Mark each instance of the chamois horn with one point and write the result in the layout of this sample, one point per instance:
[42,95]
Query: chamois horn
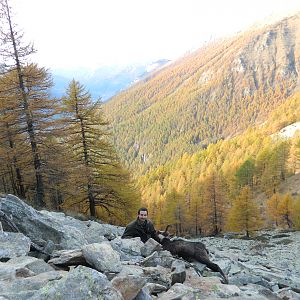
[167,228]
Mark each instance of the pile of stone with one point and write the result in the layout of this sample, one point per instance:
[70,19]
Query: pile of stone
[48,255]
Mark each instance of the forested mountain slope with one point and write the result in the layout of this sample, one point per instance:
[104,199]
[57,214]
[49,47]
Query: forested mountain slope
[250,179]
[211,94]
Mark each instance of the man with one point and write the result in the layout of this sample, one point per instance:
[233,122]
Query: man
[141,227]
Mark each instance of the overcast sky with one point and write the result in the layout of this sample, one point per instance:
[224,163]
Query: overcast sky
[90,33]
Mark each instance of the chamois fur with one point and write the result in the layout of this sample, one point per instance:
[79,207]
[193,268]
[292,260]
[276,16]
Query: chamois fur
[189,251]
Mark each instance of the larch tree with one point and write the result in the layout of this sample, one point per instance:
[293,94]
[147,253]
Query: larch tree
[272,208]
[175,210]
[15,57]
[215,200]
[276,167]
[99,181]
[244,215]
[296,213]
[285,208]
[11,169]
[196,207]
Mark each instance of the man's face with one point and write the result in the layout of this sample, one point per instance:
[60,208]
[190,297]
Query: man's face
[143,215]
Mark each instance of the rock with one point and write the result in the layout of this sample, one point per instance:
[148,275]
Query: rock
[67,258]
[159,275]
[13,245]
[161,258]
[95,232]
[260,268]
[81,283]
[35,265]
[206,284]
[149,247]
[41,227]
[287,293]
[179,291]
[142,295]
[129,286]
[178,274]
[154,288]
[102,257]
[23,287]
[129,249]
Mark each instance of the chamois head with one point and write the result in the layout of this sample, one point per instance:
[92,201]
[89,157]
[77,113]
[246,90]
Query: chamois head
[164,234]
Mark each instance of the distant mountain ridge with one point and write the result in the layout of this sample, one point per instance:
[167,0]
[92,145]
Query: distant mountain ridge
[105,81]
[211,94]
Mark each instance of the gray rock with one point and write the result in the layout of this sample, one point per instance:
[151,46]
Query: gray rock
[161,258]
[13,245]
[67,258]
[22,286]
[129,286]
[178,291]
[142,295]
[40,226]
[37,266]
[102,257]
[95,232]
[80,283]
[178,274]
[159,275]
[130,247]
[131,270]
[149,247]
[154,288]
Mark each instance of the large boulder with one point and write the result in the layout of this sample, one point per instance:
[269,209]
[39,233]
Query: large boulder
[129,286]
[25,288]
[130,249]
[13,245]
[149,247]
[80,283]
[41,226]
[102,257]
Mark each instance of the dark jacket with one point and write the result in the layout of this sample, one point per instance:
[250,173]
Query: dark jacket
[143,230]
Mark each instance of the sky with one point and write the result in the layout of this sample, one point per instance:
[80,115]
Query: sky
[70,34]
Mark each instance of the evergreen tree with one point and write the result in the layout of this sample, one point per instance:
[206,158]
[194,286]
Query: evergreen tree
[245,173]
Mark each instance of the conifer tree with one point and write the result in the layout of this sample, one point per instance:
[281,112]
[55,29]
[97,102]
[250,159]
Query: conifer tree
[272,207]
[215,201]
[9,128]
[244,214]
[245,173]
[175,211]
[14,54]
[285,208]
[96,171]
[296,213]
[197,207]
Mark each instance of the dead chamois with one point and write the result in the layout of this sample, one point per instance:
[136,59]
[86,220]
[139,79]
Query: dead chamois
[189,251]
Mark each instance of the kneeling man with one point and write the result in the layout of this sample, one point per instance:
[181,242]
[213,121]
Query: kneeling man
[141,227]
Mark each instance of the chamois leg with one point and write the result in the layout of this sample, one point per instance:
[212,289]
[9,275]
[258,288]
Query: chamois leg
[214,267]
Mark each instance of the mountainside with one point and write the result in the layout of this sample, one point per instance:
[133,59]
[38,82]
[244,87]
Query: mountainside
[104,82]
[211,94]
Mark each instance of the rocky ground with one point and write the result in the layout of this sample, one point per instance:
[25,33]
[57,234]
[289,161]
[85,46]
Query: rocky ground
[47,255]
